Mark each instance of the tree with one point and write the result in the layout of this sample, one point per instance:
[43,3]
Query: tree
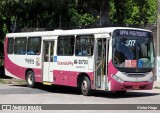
[120,11]
[79,17]
[34,13]
[99,9]
[2,34]
[56,13]
[53,13]
[133,11]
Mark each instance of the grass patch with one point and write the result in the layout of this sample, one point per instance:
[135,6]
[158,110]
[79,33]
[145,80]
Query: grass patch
[12,81]
[156,87]
[2,81]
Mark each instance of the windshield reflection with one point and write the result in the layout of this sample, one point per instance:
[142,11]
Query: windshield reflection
[133,53]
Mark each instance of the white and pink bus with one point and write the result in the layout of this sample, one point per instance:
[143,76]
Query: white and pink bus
[111,59]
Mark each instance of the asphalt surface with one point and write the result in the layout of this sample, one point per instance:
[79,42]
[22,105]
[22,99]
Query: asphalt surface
[21,94]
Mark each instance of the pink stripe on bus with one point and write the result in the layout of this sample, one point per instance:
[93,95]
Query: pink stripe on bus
[111,70]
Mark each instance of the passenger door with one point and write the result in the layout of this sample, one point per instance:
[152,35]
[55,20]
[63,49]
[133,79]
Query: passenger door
[101,62]
[48,55]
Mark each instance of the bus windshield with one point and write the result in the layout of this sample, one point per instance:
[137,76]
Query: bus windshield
[133,52]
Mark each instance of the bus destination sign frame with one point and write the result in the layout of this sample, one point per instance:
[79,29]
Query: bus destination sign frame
[134,33]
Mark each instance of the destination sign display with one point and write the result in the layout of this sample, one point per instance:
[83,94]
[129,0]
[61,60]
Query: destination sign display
[137,33]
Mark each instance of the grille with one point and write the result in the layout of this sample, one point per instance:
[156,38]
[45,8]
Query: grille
[135,74]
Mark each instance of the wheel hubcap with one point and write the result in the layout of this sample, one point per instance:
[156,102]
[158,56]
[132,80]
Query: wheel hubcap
[84,85]
[30,79]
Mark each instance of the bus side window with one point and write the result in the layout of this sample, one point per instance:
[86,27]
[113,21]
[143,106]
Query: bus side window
[20,45]
[52,51]
[84,45]
[10,46]
[30,52]
[34,46]
[65,45]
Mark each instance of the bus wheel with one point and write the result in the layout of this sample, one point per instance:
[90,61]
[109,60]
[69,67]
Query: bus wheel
[86,86]
[30,79]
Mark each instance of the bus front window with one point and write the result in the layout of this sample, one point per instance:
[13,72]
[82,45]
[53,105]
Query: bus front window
[133,53]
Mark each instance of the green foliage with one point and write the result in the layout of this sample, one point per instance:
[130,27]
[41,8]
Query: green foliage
[79,18]
[133,11]
[52,13]
[156,87]
[1,81]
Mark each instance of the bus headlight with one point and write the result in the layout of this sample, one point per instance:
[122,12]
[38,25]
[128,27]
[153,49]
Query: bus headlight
[117,79]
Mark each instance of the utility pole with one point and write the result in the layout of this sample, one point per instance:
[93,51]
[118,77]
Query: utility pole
[158,42]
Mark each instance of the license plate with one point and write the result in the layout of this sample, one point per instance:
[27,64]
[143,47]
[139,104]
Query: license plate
[135,87]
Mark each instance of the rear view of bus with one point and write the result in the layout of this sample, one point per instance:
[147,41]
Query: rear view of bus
[132,60]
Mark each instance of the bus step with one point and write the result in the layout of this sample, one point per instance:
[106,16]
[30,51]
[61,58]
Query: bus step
[47,83]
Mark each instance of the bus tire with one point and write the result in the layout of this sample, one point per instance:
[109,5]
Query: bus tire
[86,86]
[30,79]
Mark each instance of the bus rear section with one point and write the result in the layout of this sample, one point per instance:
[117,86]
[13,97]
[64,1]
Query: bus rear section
[23,57]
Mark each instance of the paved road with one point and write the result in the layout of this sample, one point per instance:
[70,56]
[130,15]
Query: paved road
[21,94]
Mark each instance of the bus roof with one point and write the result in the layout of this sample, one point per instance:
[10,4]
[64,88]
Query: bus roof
[70,32]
